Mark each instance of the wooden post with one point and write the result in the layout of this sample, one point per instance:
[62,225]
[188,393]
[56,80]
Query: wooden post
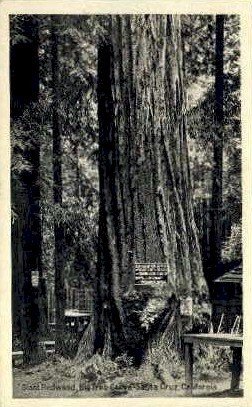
[189,368]
[236,368]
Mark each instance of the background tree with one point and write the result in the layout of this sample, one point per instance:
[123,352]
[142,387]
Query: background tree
[78,131]
[77,117]
[26,230]
[200,80]
[57,193]
[217,182]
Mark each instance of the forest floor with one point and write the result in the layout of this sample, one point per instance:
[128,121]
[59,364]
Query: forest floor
[56,378]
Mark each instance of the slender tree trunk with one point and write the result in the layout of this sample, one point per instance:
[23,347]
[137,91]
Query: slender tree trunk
[216,209]
[58,189]
[146,209]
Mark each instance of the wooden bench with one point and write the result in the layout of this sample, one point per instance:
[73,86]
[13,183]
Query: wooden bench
[48,347]
[233,341]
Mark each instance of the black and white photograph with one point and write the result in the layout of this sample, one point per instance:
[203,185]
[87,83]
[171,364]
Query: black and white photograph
[126,205]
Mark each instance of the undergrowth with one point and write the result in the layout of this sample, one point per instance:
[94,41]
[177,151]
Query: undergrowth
[162,366]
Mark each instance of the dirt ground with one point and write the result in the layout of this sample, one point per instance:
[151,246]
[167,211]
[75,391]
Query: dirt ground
[51,381]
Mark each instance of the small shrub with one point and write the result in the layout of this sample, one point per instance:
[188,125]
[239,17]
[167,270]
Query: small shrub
[152,311]
[99,370]
[211,362]
[165,361]
[135,379]
[124,362]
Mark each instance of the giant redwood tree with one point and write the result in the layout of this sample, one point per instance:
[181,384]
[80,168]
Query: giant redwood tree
[146,212]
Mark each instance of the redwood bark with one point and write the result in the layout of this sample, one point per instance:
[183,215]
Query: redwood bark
[109,335]
[57,192]
[146,209]
[217,174]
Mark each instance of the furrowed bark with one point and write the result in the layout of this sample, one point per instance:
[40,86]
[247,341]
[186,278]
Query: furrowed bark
[57,192]
[217,181]
[146,212]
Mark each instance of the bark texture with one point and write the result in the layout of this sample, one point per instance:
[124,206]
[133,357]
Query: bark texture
[146,212]
[57,193]
[26,229]
[216,209]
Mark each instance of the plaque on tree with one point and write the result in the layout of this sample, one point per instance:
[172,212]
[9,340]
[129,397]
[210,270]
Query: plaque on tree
[35,278]
[149,273]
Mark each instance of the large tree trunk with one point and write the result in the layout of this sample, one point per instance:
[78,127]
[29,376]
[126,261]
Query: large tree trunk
[109,323]
[216,210]
[57,189]
[146,210]
[26,232]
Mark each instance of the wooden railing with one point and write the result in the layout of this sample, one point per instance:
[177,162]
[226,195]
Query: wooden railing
[79,299]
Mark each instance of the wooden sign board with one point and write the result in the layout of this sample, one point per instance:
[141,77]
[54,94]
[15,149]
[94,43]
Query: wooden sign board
[148,273]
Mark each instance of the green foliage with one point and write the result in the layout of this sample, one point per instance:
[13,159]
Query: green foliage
[17,33]
[211,362]
[155,306]
[198,33]
[201,315]
[198,36]
[27,132]
[78,125]
[202,132]
[232,249]
[166,363]
[133,306]
[199,58]
[99,370]
[142,309]
[19,143]
[151,312]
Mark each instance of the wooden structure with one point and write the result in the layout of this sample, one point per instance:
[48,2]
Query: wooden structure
[77,320]
[79,306]
[227,301]
[227,340]
[232,276]
[46,346]
[227,321]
